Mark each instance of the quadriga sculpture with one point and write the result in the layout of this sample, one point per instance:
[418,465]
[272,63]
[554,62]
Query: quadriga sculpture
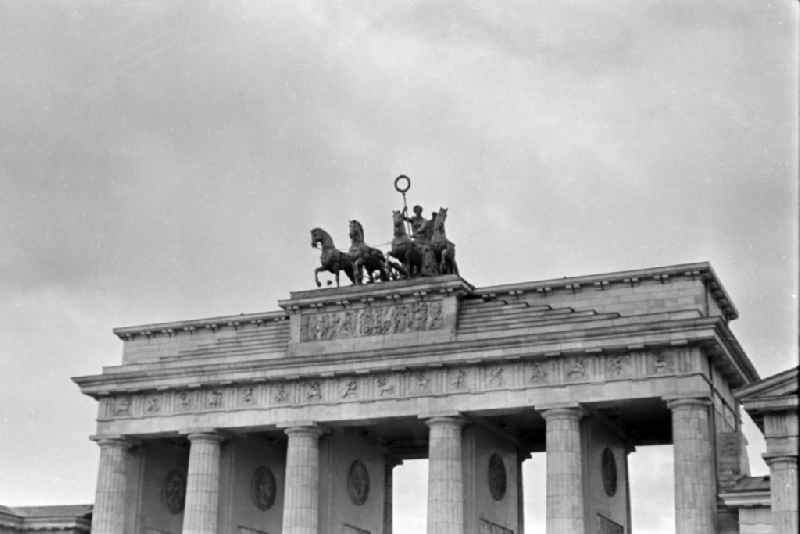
[404,249]
[444,250]
[331,259]
[365,257]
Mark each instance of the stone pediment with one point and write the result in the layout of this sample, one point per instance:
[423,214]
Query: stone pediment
[779,385]
[775,393]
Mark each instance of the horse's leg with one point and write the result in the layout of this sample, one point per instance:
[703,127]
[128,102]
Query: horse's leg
[357,275]
[349,273]
[316,275]
[336,274]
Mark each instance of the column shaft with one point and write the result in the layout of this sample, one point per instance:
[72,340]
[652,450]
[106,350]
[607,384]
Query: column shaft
[200,514]
[445,479]
[564,506]
[783,492]
[387,497]
[695,484]
[108,516]
[301,491]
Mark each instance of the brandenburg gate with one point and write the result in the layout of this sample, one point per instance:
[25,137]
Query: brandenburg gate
[291,421]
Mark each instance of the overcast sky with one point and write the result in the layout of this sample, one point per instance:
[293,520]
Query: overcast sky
[165,160]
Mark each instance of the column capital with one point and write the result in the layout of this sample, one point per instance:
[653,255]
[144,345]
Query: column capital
[565,411]
[204,434]
[776,459]
[306,429]
[452,420]
[683,402]
[112,440]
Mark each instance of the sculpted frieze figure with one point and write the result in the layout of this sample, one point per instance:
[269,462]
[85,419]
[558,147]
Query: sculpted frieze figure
[385,386]
[496,377]
[576,369]
[215,398]
[616,366]
[459,379]
[313,391]
[248,395]
[184,400]
[152,404]
[538,373]
[374,320]
[661,364]
[349,388]
[122,406]
[422,382]
[281,394]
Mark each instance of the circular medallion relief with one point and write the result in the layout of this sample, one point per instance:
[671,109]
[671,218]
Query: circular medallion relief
[263,487]
[609,470]
[174,491]
[497,477]
[358,482]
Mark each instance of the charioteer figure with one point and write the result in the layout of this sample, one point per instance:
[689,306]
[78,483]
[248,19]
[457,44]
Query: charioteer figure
[421,228]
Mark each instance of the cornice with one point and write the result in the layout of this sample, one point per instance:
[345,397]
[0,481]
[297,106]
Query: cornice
[701,270]
[607,340]
[212,323]
[743,499]
[417,287]
[762,388]
[449,284]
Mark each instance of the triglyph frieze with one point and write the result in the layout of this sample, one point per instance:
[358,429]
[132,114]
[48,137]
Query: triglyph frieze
[384,385]
[372,320]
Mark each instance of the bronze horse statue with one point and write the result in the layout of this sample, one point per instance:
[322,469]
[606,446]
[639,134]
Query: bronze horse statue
[365,257]
[331,259]
[404,249]
[443,249]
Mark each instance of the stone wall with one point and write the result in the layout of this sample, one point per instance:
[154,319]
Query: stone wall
[164,465]
[252,487]
[485,505]
[347,505]
[603,507]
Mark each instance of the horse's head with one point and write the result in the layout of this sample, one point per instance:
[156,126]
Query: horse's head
[397,217]
[356,230]
[318,235]
[438,219]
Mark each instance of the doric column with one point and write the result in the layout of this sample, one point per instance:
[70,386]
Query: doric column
[301,490]
[108,516]
[202,484]
[564,471]
[783,492]
[445,479]
[695,485]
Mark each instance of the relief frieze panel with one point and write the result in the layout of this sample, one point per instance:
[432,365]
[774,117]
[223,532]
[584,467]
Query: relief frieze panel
[372,320]
[399,384]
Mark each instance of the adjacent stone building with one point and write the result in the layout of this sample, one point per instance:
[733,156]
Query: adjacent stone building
[70,519]
[770,504]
